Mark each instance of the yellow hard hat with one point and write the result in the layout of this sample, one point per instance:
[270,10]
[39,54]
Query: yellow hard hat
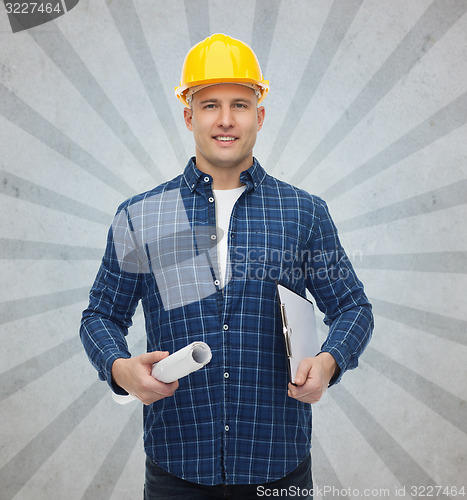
[221,59]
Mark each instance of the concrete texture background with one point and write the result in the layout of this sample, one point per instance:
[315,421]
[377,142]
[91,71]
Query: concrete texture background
[367,109]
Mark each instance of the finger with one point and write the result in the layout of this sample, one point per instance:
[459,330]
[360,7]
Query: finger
[172,387]
[303,369]
[306,391]
[163,389]
[295,393]
[300,391]
[305,398]
[158,390]
[154,357]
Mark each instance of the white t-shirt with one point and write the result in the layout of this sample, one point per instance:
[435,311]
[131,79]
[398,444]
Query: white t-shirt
[225,201]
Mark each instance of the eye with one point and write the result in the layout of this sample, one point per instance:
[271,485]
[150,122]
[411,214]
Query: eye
[239,105]
[209,106]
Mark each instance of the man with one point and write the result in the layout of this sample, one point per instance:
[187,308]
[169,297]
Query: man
[203,252]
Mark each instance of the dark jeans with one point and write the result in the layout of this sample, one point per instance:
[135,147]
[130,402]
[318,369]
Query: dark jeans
[161,485]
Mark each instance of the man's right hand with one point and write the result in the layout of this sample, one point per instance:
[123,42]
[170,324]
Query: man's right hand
[134,375]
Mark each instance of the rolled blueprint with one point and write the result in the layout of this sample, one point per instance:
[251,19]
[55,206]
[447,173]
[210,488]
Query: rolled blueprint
[183,362]
[178,365]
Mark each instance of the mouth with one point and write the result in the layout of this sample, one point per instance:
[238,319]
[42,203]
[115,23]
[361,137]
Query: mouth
[228,139]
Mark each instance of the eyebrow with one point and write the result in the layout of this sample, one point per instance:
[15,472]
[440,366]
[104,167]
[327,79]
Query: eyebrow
[237,99]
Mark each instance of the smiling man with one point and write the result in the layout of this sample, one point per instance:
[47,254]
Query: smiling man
[224,119]
[204,252]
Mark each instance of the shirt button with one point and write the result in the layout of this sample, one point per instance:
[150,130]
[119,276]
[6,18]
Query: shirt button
[213,236]
[225,327]
[192,186]
[226,428]
[211,199]
[226,375]
[217,282]
[206,179]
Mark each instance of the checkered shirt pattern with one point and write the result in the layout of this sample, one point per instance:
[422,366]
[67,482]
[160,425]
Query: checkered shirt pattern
[231,422]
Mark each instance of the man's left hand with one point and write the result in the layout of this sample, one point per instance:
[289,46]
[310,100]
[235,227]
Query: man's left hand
[313,377]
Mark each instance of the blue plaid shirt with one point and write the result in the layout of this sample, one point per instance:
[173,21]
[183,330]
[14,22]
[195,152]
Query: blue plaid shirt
[231,422]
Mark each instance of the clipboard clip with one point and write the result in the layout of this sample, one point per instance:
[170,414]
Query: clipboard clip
[286,330]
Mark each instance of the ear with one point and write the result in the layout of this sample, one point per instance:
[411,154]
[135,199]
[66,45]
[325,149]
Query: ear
[261,112]
[188,115]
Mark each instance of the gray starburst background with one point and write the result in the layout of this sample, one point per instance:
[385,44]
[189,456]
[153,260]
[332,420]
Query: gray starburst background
[367,109]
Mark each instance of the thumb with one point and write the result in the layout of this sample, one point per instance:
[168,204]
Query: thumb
[153,357]
[303,370]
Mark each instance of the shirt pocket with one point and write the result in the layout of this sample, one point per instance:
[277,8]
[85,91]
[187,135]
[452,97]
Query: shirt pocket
[270,253]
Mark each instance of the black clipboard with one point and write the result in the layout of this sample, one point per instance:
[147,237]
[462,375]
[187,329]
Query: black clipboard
[298,328]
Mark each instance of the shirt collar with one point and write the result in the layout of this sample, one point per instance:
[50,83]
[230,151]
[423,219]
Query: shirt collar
[192,174]
[252,177]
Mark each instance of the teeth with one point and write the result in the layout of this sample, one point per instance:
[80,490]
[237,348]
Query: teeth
[219,138]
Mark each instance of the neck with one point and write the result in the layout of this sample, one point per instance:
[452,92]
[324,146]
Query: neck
[223,182]
[224,177]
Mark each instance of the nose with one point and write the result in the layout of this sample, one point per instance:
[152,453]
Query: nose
[225,118]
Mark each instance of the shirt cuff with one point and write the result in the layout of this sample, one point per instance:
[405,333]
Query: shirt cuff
[106,374]
[341,361]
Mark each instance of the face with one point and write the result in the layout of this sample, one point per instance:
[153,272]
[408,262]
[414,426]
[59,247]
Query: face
[224,120]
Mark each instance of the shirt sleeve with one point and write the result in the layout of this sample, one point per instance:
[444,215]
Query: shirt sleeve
[339,294]
[113,299]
